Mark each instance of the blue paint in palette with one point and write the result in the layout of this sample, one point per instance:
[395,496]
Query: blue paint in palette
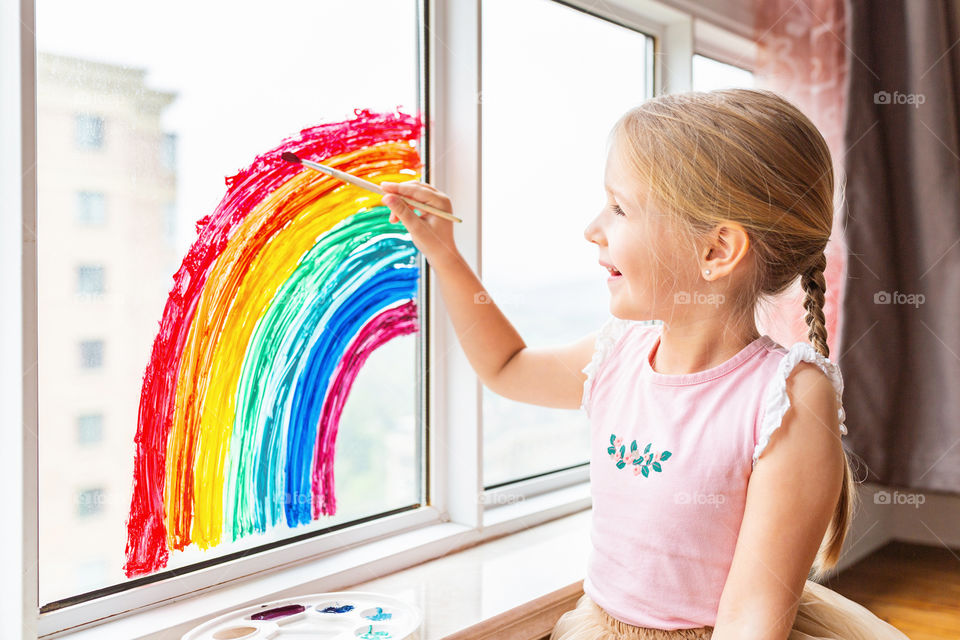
[380,615]
[343,609]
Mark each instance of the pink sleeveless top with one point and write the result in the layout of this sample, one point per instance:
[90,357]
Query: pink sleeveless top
[670,459]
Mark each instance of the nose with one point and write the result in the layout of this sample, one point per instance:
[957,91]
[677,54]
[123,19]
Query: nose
[593,233]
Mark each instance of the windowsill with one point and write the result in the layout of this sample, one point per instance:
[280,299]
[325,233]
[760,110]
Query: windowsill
[522,572]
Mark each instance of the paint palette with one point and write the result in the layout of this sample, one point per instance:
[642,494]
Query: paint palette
[337,615]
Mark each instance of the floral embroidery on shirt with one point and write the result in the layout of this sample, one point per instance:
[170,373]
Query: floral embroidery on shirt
[642,462]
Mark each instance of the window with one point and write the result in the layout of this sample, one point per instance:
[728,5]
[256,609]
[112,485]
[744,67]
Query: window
[168,151]
[709,74]
[544,99]
[89,429]
[91,354]
[89,279]
[89,502]
[89,131]
[175,105]
[90,207]
[170,221]
[183,117]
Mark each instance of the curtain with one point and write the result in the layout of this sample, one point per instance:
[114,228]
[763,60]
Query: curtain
[900,349]
[802,56]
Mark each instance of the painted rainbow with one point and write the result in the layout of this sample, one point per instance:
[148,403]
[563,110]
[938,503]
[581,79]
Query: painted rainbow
[292,282]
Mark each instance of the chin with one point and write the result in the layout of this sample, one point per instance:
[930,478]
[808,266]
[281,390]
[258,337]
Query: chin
[629,312]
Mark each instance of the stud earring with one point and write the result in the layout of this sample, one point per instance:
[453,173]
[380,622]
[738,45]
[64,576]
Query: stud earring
[706,272]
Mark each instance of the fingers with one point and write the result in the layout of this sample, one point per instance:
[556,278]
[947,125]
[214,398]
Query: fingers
[419,191]
[398,208]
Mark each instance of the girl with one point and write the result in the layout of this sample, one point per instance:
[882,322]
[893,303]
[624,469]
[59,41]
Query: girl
[716,202]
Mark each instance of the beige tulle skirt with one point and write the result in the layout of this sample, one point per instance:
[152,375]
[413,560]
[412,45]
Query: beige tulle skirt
[823,614]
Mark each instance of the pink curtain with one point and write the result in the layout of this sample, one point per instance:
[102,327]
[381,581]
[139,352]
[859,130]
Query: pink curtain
[801,56]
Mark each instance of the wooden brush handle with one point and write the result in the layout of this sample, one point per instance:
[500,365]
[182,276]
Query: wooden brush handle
[430,209]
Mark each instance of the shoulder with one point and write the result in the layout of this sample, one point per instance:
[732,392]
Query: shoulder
[610,334]
[608,337]
[812,384]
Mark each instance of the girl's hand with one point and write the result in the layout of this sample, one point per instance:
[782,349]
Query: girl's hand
[431,234]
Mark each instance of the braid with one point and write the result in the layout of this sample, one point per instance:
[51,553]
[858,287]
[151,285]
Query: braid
[815,286]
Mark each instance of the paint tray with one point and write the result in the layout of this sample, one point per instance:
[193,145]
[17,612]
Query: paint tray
[336,615]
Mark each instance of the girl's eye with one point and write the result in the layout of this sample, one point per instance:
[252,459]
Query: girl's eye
[617,210]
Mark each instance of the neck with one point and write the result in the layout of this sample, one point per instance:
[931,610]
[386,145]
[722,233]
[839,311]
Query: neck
[690,347]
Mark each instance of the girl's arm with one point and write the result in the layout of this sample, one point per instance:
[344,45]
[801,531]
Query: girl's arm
[550,377]
[791,496]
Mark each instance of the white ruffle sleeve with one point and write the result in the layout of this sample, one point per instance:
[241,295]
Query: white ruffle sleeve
[776,401]
[610,333]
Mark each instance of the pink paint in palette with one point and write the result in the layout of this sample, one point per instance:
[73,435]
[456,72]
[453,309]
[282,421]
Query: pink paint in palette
[336,615]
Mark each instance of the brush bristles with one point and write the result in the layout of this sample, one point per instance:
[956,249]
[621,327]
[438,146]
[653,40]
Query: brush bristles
[290,157]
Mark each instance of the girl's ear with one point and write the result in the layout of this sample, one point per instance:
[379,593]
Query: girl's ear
[727,246]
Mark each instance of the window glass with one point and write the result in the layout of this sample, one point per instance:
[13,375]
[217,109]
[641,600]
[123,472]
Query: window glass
[90,207]
[89,131]
[91,354]
[709,74]
[547,108]
[89,279]
[90,429]
[89,502]
[149,112]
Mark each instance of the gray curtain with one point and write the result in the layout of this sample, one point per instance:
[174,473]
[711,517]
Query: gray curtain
[900,322]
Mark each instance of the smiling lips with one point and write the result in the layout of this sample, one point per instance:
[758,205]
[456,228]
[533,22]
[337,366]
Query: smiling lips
[609,267]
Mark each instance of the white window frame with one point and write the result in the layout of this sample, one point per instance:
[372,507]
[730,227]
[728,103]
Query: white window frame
[724,46]
[459,512]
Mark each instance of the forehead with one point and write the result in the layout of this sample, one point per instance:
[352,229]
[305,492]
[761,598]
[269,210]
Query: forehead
[620,188]
[616,180]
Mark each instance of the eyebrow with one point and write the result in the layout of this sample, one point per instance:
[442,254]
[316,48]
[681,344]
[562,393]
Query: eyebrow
[609,190]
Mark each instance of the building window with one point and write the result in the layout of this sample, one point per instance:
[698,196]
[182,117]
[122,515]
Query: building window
[91,207]
[89,131]
[168,151]
[91,354]
[89,279]
[170,221]
[90,502]
[90,428]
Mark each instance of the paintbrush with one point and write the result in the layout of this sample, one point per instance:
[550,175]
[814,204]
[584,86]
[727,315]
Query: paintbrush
[366,184]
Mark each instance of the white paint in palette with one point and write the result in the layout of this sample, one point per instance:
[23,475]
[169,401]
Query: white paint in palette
[336,615]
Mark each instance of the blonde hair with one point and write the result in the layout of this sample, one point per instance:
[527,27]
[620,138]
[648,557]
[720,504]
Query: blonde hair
[750,157]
